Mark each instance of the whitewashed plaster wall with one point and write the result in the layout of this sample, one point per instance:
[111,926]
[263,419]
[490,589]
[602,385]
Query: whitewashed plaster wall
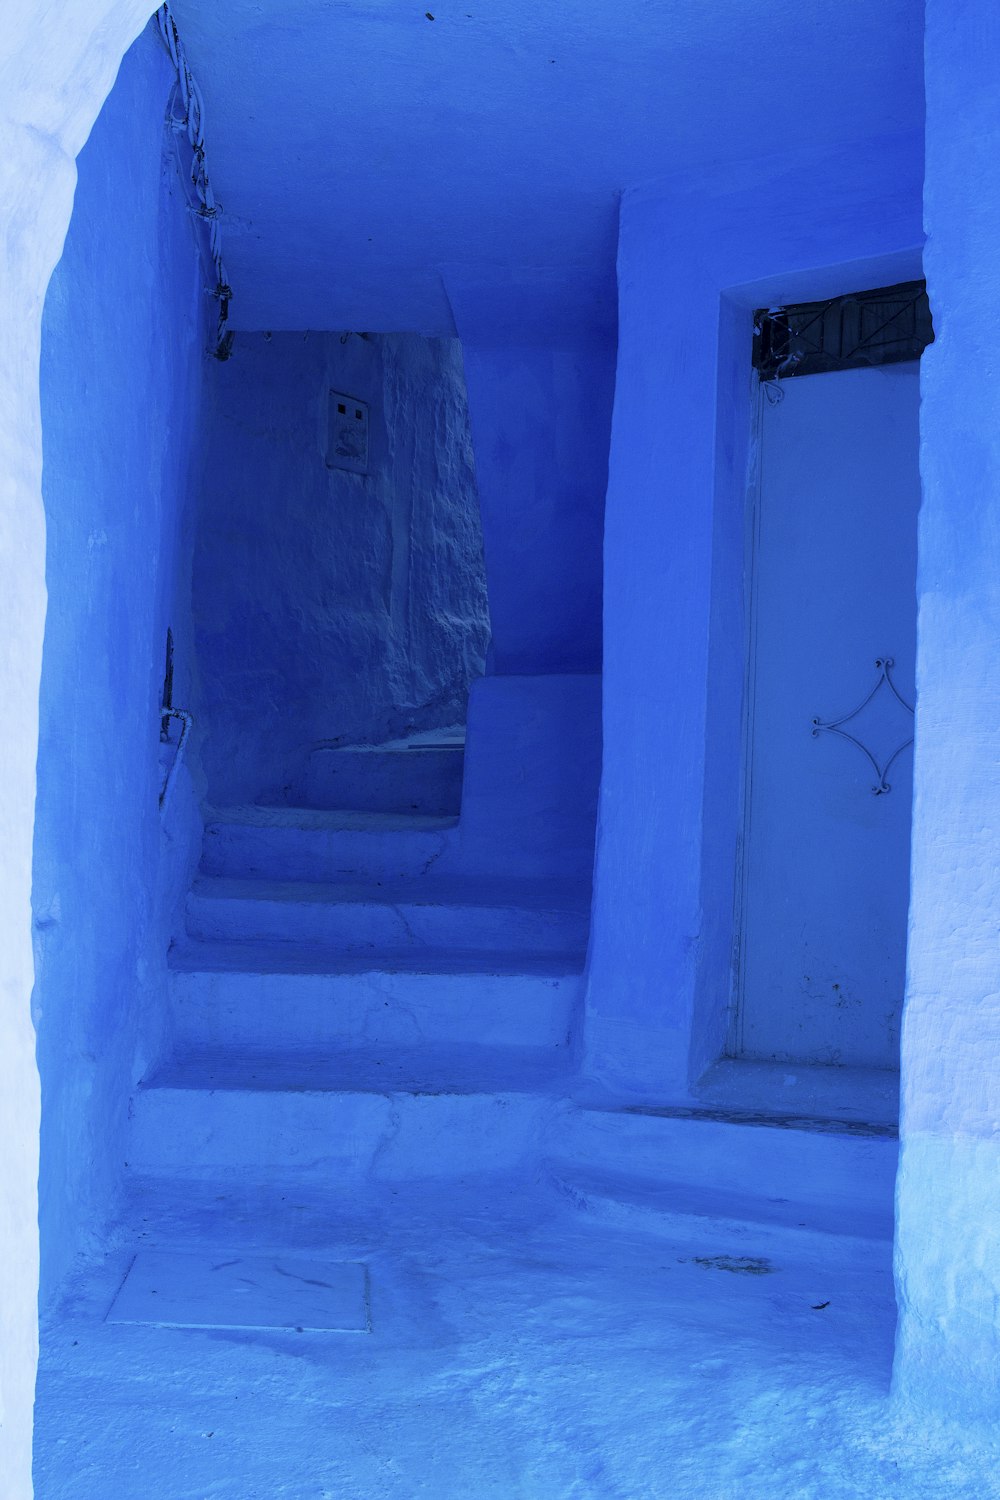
[57,64]
[948,1192]
[330,605]
[124,338]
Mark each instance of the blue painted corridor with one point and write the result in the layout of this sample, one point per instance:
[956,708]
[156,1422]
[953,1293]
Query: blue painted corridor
[503,800]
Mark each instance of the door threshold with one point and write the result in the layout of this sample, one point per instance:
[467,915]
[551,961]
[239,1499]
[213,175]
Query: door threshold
[813,1091]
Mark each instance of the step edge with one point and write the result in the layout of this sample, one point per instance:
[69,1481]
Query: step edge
[626,1191]
[338,965]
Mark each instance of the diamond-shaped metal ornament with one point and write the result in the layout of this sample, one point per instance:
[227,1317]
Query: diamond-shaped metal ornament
[883,684]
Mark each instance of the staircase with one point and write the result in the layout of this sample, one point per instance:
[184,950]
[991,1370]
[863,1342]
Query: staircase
[387,993]
[382,989]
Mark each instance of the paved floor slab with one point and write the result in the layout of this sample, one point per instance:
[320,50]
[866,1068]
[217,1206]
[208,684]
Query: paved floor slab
[175,1289]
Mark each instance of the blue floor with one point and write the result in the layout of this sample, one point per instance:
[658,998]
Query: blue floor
[519,1349]
[369,1121]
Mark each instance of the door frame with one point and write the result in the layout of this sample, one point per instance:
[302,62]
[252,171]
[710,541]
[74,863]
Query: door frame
[734,1031]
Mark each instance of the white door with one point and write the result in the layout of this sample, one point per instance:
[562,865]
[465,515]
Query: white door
[826,847]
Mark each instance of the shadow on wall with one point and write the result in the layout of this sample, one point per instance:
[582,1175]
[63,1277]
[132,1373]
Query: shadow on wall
[339,597]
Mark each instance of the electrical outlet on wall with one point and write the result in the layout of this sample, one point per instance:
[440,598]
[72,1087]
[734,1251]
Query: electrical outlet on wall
[347,443]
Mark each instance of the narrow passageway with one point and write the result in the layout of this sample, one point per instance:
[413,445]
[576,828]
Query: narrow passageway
[451,1086]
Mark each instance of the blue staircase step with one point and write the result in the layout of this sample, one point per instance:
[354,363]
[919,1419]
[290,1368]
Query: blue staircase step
[368,1117]
[306,844]
[461,914]
[417,778]
[657,1168]
[278,998]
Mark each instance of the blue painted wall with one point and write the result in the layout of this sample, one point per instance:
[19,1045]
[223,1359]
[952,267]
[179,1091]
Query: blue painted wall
[333,606]
[697,254]
[948,1241]
[122,352]
[542,419]
[540,397]
[500,137]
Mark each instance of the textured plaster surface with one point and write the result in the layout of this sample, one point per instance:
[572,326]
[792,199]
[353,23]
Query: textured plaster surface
[948,1253]
[333,606]
[117,437]
[500,136]
[518,1351]
[53,79]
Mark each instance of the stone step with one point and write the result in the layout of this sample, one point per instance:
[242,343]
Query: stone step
[241,996]
[733,1191]
[648,1168]
[732,1228]
[303,844]
[465,915]
[423,779]
[371,1115]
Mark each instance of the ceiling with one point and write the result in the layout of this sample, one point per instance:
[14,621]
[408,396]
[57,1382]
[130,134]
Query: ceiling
[358,147]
